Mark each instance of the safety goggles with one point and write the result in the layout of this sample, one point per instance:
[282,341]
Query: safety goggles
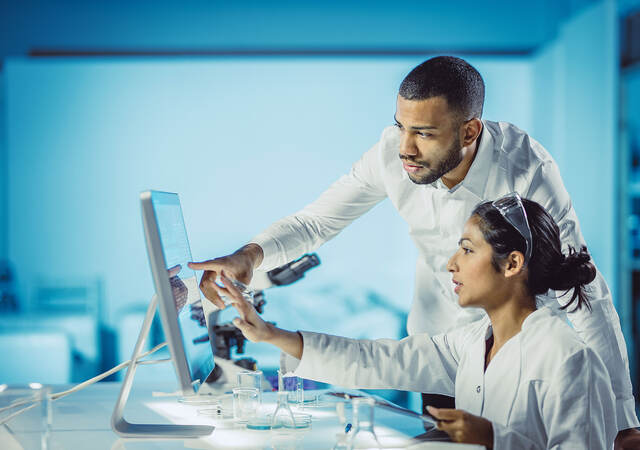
[512,209]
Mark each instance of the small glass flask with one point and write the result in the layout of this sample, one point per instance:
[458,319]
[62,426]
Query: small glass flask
[364,435]
[283,416]
[342,442]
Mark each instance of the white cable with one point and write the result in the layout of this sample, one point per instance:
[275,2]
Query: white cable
[117,368]
[18,412]
[17,403]
[82,385]
[154,361]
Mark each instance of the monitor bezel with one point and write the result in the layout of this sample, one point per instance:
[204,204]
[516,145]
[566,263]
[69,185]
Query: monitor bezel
[166,304]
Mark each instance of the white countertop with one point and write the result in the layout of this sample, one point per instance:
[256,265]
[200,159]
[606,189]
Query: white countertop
[82,420]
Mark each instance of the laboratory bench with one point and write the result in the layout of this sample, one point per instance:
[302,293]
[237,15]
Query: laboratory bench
[82,420]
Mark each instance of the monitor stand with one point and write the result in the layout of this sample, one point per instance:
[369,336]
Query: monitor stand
[147,430]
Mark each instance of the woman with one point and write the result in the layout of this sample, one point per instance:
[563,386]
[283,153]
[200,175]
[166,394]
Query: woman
[522,378]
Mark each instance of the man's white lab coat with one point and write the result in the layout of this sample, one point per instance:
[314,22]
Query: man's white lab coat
[507,160]
[543,389]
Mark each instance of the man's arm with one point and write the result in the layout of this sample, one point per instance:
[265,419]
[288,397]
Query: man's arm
[287,239]
[600,328]
[350,197]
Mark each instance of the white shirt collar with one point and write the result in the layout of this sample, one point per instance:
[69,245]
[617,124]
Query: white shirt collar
[476,179]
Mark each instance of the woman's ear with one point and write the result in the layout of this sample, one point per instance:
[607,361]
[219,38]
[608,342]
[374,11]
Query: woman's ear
[514,264]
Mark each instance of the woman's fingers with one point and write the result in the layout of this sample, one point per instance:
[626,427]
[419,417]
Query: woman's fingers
[249,322]
[241,324]
[243,308]
[444,414]
[229,288]
[448,426]
[248,329]
[446,419]
[236,295]
[462,426]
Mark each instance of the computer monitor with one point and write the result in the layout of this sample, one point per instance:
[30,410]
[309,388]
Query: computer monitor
[182,311]
[183,314]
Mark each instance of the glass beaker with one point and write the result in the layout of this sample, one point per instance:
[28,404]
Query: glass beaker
[245,404]
[295,389]
[364,435]
[251,379]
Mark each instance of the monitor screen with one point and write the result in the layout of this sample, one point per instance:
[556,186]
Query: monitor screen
[190,309]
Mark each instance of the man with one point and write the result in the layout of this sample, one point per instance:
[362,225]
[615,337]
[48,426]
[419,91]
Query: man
[435,165]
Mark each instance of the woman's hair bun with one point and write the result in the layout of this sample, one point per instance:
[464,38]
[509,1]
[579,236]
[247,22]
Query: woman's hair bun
[576,270]
[577,267]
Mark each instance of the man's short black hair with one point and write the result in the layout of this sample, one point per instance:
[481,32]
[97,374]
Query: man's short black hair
[450,77]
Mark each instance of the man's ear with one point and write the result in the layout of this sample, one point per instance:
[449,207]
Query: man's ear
[514,264]
[472,129]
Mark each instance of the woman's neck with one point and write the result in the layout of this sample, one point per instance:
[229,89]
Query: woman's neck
[507,319]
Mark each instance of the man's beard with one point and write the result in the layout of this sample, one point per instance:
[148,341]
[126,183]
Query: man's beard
[453,159]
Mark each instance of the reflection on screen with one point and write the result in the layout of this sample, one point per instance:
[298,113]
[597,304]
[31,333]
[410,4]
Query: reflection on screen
[184,284]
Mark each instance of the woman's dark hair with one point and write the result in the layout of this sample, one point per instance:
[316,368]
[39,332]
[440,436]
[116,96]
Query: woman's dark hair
[548,268]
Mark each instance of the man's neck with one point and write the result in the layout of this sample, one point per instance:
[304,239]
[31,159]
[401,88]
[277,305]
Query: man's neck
[454,177]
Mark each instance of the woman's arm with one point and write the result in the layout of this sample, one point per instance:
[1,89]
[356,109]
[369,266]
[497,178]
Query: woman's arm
[254,328]
[417,363]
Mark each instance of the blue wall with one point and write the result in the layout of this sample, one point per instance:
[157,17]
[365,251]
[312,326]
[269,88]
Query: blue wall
[4,238]
[243,141]
[575,118]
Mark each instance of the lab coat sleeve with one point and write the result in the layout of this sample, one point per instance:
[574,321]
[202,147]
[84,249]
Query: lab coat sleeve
[578,409]
[348,198]
[600,329]
[576,404]
[416,363]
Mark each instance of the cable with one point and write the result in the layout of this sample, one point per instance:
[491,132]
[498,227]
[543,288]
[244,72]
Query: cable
[84,384]
[17,403]
[153,361]
[117,368]
[20,411]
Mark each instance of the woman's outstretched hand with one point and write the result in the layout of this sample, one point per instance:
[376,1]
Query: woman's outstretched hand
[462,426]
[250,323]
[254,328]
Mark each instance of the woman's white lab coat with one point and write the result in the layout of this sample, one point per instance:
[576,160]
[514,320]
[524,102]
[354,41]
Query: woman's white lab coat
[543,389]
